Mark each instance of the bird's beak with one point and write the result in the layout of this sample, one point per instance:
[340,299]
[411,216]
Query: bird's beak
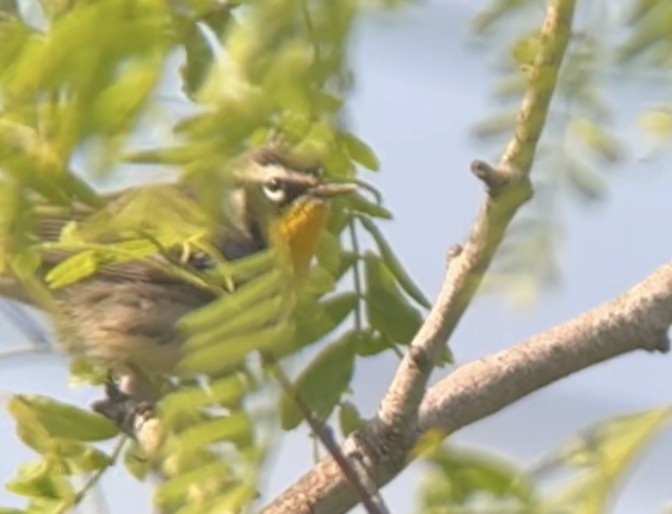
[329,190]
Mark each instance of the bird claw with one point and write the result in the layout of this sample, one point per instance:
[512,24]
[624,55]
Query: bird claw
[127,412]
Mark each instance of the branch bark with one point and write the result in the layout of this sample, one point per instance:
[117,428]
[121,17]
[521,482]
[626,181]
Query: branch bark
[385,444]
[636,320]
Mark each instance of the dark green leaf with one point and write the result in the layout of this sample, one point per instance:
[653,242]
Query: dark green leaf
[228,352]
[322,383]
[360,204]
[471,473]
[388,310]
[329,252]
[348,259]
[242,302]
[349,419]
[373,343]
[320,281]
[316,322]
[393,264]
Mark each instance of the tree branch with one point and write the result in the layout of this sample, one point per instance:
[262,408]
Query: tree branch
[508,188]
[637,319]
[384,444]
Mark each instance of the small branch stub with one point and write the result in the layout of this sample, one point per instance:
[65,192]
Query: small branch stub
[494,179]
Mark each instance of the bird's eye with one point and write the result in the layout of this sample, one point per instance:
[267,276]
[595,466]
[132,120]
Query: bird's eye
[274,191]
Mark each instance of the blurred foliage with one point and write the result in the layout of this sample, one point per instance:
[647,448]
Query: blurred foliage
[582,475]
[580,148]
[79,83]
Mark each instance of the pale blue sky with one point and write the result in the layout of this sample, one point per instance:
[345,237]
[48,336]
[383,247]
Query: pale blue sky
[419,90]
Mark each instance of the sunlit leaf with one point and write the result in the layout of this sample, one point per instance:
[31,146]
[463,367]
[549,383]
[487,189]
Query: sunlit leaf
[175,489]
[602,454]
[526,49]
[360,151]
[657,123]
[236,428]
[60,419]
[40,480]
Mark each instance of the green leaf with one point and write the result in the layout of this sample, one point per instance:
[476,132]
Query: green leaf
[316,321]
[60,419]
[465,474]
[349,419]
[388,310]
[199,57]
[224,391]
[393,264]
[586,181]
[373,343]
[265,313]
[76,458]
[234,499]
[348,259]
[359,151]
[597,139]
[117,106]
[320,281]
[602,454]
[657,123]
[360,204]
[40,480]
[526,49]
[245,299]
[174,490]
[136,462]
[236,428]
[229,352]
[321,384]
[329,252]
[82,370]
[74,269]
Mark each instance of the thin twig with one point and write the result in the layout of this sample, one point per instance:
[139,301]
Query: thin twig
[95,477]
[370,497]
[356,277]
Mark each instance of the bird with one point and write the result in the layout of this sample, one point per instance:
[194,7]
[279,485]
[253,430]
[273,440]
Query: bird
[124,315]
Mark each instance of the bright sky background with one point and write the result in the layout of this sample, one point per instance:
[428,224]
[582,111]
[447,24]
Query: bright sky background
[420,88]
